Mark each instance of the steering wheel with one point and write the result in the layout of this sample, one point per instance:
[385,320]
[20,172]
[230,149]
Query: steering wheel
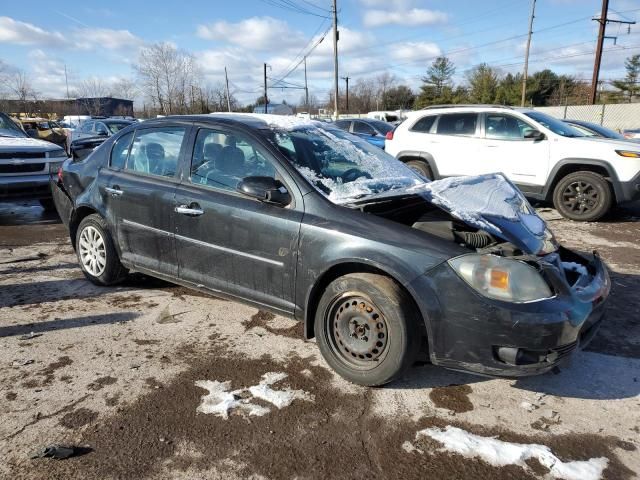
[353,174]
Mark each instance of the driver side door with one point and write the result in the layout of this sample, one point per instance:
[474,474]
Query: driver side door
[227,241]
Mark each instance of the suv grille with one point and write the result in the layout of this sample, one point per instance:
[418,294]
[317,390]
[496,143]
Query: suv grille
[10,155]
[24,168]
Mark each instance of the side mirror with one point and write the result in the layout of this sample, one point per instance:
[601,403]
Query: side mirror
[534,134]
[265,189]
[32,132]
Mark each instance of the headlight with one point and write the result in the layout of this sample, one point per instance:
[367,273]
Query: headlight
[628,153]
[501,278]
[57,154]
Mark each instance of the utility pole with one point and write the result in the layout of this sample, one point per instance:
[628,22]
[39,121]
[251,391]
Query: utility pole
[226,81]
[346,79]
[265,88]
[335,59]
[66,79]
[602,20]
[306,88]
[596,65]
[526,55]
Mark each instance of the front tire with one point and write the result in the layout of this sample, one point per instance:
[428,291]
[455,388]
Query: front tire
[367,328]
[583,196]
[96,252]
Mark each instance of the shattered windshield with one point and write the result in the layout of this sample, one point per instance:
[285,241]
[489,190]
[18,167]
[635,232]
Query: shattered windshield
[340,165]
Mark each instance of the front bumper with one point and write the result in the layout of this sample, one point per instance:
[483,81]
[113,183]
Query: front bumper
[629,191]
[18,187]
[470,332]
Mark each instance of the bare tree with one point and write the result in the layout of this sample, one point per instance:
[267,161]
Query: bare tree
[168,77]
[20,87]
[383,83]
[125,88]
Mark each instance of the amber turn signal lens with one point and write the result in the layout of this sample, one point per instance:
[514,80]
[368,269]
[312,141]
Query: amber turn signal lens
[499,279]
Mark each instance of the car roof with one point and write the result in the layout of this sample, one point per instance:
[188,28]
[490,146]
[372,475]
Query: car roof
[251,120]
[113,120]
[439,109]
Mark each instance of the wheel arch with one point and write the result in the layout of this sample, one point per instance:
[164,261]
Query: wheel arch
[408,155]
[79,214]
[571,165]
[338,270]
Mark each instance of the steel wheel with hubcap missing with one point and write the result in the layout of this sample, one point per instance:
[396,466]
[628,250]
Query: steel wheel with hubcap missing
[367,328]
[358,332]
[92,251]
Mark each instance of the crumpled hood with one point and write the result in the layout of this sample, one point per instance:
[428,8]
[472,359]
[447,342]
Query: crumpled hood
[493,204]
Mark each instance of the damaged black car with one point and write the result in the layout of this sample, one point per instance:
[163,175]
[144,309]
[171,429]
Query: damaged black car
[308,221]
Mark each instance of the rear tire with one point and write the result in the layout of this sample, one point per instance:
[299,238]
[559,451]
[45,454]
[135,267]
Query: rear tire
[96,252]
[367,328]
[583,196]
[421,167]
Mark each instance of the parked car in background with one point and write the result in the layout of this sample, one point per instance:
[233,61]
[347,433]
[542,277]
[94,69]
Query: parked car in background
[631,134]
[373,131]
[81,148]
[391,116]
[591,129]
[44,129]
[25,164]
[76,120]
[548,159]
[305,220]
[103,127]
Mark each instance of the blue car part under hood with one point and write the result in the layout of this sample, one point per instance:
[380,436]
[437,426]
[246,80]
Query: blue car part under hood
[493,204]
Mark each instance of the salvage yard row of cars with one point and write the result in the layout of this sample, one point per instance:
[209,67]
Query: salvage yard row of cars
[309,221]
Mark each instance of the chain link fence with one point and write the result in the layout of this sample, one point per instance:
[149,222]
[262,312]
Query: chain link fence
[619,116]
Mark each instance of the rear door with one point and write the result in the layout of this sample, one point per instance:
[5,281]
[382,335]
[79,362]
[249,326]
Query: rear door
[143,196]
[455,144]
[229,242]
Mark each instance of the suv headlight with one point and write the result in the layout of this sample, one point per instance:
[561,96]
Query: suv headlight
[501,278]
[57,154]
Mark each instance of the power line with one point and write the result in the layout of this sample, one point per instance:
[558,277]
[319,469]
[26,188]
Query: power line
[293,7]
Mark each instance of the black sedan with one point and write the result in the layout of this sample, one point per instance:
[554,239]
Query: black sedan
[308,221]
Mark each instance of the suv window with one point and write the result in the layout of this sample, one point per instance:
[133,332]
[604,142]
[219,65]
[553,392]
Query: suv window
[120,151]
[222,160]
[86,127]
[363,128]
[155,151]
[424,124]
[343,124]
[457,124]
[504,127]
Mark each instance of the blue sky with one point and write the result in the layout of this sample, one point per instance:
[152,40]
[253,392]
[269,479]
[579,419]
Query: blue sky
[400,37]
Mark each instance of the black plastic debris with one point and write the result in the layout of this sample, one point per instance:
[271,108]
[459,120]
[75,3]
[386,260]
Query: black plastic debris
[60,452]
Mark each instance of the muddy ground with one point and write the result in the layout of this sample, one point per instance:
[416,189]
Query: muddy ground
[114,370]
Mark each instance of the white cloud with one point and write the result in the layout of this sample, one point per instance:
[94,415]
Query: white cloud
[257,33]
[89,38]
[411,17]
[410,51]
[22,33]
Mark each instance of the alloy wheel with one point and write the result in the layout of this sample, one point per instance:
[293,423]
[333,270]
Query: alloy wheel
[358,332]
[580,197]
[92,251]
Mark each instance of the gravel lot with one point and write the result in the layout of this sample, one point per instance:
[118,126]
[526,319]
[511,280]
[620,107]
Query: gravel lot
[114,370]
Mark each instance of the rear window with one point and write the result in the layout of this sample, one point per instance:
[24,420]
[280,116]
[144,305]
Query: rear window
[457,124]
[424,124]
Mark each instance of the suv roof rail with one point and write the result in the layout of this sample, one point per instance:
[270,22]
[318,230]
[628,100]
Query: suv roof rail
[433,107]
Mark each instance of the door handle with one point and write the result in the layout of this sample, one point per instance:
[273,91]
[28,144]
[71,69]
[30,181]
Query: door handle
[192,210]
[114,192]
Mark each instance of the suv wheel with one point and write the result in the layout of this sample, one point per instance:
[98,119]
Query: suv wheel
[421,167]
[367,328]
[583,196]
[96,253]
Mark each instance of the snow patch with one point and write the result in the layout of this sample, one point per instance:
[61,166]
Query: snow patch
[25,142]
[499,453]
[220,401]
[575,267]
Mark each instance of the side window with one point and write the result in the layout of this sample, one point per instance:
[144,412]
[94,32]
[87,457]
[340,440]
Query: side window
[101,129]
[363,129]
[457,124]
[155,151]
[86,127]
[504,127]
[222,160]
[424,124]
[120,151]
[343,124]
